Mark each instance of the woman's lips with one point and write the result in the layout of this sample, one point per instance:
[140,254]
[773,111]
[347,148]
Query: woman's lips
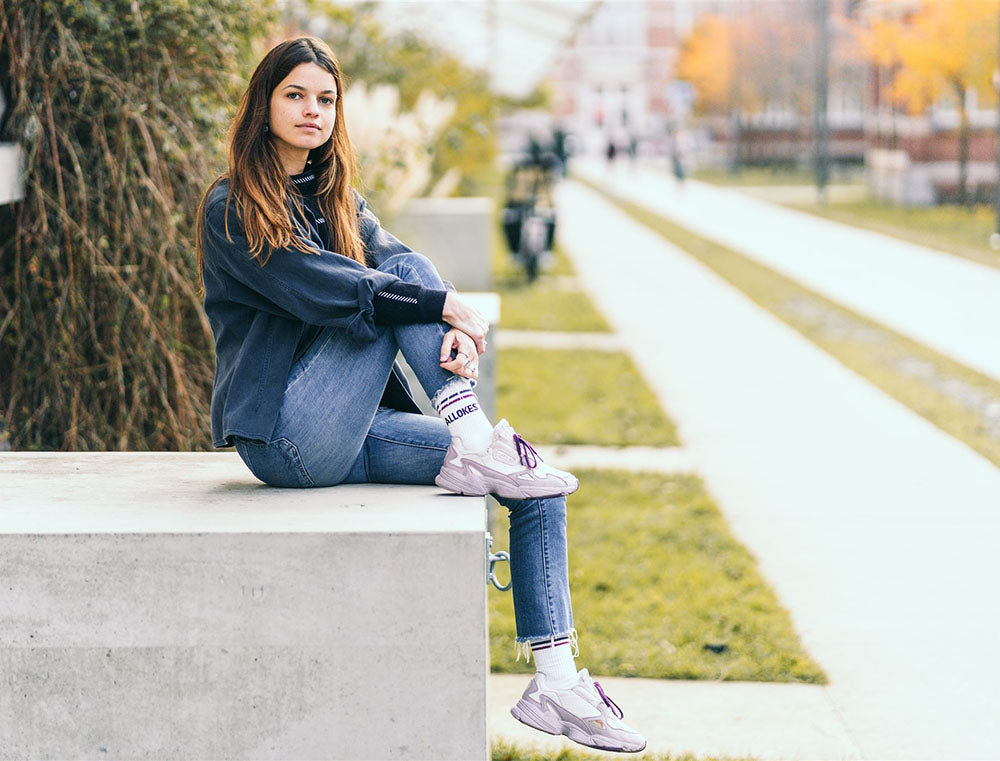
[306,126]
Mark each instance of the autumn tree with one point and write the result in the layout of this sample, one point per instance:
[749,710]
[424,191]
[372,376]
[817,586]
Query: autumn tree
[754,61]
[940,51]
[707,61]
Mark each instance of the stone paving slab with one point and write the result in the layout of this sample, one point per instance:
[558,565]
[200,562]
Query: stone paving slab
[657,459]
[184,492]
[721,719]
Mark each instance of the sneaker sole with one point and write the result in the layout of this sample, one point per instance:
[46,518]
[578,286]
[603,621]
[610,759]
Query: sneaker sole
[445,480]
[527,716]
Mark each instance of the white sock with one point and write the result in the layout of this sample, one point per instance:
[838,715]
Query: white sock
[458,406]
[554,659]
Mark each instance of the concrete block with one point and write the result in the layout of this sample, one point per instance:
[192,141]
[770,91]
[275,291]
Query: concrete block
[486,386]
[454,233]
[169,605]
[11,173]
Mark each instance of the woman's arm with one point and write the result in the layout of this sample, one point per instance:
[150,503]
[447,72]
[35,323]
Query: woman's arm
[321,288]
[381,244]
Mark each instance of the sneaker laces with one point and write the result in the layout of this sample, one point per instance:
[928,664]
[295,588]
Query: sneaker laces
[526,453]
[609,702]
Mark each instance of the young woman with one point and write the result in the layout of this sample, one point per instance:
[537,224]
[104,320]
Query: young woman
[309,300]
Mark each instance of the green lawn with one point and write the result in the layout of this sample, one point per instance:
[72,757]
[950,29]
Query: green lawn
[552,302]
[959,400]
[657,580]
[539,306]
[579,397]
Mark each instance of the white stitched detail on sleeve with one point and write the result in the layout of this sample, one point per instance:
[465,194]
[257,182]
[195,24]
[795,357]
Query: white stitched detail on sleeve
[396,297]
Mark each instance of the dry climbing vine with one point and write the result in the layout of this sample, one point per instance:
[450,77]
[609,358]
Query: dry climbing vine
[120,109]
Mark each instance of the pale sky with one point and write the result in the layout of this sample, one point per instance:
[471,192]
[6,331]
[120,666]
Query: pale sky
[527,34]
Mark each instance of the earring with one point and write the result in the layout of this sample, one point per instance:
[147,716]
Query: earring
[265,128]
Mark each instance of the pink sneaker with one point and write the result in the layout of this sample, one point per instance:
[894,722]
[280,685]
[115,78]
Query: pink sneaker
[582,712]
[508,467]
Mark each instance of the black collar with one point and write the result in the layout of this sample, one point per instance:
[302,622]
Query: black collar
[304,182]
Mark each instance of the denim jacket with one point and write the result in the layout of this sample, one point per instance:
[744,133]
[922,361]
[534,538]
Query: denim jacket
[264,318]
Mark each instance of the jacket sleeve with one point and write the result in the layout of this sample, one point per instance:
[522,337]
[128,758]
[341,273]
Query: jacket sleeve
[321,288]
[379,242]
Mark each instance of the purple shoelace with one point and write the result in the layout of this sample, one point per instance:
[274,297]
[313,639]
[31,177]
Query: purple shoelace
[609,702]
[526,453]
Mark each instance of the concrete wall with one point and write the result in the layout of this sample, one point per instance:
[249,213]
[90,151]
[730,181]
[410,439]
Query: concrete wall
[11,169]
[894,177]
[454,233]
[168,605]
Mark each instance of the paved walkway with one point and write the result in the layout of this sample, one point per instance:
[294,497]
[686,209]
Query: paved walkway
[728,719]
[658,459]
[946,302]
[876,530]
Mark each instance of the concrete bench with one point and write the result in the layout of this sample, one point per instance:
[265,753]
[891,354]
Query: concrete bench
[169,605]
[454,233]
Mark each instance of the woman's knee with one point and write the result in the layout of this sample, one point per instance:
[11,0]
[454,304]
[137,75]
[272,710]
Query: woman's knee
[412,267]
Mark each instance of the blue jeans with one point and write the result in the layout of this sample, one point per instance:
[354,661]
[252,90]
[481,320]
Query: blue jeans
[331,430]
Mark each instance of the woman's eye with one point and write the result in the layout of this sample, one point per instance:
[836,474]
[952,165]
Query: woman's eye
[328,100]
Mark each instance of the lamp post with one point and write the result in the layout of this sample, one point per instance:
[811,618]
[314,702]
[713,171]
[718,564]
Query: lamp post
[995,237]
[821,125]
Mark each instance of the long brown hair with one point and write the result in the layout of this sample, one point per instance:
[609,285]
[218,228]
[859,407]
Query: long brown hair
[258,182]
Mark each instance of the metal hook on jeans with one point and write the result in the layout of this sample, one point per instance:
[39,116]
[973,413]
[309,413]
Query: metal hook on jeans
[493,559]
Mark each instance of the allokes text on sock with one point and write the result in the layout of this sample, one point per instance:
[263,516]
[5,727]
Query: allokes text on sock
[452,417]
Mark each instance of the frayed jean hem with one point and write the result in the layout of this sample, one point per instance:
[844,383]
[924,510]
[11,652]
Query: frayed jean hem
[522,645]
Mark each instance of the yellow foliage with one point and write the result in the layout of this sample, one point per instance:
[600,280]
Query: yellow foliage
[945,47]
[743,62]
[706,61]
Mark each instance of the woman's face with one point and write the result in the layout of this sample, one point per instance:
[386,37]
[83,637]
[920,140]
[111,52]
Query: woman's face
[307,96]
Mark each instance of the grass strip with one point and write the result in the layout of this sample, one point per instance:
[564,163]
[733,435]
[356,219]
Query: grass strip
[957,399]
[503,751]
[579,397]
[540,306]
[660,588]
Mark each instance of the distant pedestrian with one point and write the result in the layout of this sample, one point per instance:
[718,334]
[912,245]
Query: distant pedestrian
[678,166]
[611,151]
[633,150]
[560,146]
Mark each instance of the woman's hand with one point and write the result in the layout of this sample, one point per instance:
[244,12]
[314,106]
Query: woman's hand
[466,361]
[466,319]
